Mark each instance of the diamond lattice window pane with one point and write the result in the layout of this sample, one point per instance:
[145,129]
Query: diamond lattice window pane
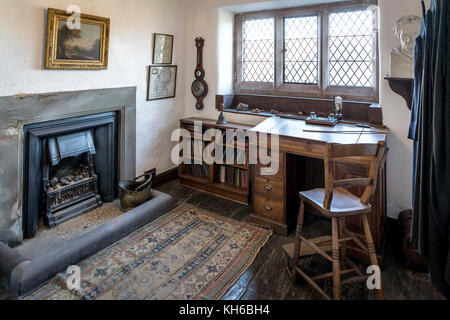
[258,40]
[301,44]
[351,50]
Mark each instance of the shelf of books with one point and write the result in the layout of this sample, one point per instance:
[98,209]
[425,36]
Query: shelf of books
[229,178]
[232,178]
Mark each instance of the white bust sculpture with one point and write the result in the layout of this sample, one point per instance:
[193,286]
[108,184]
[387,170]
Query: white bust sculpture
[407,29]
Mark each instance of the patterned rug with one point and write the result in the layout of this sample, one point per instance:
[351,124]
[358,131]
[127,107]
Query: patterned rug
[187,254]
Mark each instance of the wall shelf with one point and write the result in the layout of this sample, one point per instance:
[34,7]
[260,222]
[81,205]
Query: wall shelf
[403,87]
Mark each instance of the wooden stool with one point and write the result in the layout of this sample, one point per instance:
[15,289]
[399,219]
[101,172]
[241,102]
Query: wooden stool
[336,203]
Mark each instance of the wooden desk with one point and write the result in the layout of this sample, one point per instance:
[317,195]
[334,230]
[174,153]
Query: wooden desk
[275,198]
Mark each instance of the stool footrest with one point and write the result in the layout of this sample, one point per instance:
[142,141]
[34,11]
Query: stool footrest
[351,264]
[355,238]
[323,243]
[354,280]
[312,283]
[330,275]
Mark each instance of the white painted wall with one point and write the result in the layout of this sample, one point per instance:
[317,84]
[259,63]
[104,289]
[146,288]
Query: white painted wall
[208,19]
[133,22]
[205,17]
[22,30]
[396,114]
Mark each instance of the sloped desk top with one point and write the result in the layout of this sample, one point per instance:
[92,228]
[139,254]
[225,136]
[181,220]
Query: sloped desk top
[290,128]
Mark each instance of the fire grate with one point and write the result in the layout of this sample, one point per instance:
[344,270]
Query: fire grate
[69,179]
[60,198]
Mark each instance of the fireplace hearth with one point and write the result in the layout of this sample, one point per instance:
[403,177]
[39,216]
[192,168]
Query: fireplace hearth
[69,181]
[70,168]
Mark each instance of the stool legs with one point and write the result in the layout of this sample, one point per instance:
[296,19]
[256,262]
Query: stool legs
[336,259]
[372,252]
[341,236]
[338,251]
[298,240]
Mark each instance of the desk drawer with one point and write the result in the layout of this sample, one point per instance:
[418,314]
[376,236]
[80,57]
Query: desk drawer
[275,175]
[272,174]
[269,187]
[269,207]
[279,159]
[303,147]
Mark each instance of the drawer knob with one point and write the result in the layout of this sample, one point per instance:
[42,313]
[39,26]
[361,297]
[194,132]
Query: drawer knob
[268,208]
[268,187]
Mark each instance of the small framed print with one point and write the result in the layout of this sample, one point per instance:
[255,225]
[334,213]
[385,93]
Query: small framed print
[162,82]
[162,48]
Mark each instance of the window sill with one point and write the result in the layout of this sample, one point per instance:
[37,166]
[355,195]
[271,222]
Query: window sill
[261,114]
[361,112]
[295,117]
[267,114]
[363,95]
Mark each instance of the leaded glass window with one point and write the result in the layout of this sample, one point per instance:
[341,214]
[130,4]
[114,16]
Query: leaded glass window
[351,58]
[301,50]
[258,39]
[320,51]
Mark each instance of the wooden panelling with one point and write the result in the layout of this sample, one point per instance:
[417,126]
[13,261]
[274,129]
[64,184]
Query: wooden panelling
[375,114]
[165,177]
[353,111]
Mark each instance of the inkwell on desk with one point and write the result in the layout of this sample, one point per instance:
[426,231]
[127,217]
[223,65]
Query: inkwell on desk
[332,120]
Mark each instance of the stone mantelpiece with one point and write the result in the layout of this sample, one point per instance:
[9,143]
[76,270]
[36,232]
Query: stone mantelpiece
[17,111]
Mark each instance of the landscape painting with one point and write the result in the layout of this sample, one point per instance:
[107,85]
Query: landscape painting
[76,46]
[82,44]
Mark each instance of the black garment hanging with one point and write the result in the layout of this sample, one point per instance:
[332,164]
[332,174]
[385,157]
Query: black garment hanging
[431,213]
[418,76]
[418,83]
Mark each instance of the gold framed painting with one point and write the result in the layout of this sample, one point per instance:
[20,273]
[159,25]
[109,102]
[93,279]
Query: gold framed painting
[74,44]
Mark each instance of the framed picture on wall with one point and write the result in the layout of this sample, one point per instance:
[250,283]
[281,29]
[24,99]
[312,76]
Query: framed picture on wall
[162,82]
[162,48]
[76,45]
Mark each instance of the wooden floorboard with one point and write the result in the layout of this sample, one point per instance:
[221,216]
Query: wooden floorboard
[265,282]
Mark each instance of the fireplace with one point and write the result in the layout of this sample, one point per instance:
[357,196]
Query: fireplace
[20,119]
[69,181]
[70,168]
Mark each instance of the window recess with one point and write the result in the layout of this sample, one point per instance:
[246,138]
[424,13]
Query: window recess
[319,51]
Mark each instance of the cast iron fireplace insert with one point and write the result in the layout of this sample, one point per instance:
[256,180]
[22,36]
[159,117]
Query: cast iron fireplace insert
[69,180]
[85,150]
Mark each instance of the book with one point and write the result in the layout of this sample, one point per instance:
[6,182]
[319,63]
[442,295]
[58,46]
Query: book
[240,158]
[222,174]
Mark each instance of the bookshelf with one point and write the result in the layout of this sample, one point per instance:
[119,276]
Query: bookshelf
[229,181]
